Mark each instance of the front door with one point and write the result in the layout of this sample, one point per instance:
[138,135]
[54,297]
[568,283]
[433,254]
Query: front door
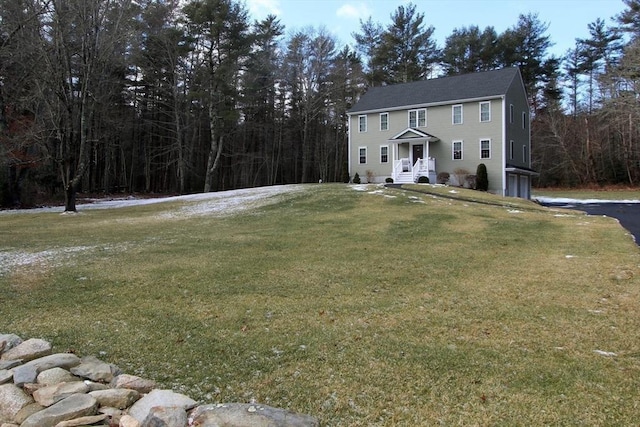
[418,152]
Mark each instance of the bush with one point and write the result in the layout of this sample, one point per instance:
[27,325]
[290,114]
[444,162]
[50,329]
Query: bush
[461,176]
[345,173]
[370,176]
[482,178]
[423,179]
[356,178]
[442,178]
[389,180]
[470,182]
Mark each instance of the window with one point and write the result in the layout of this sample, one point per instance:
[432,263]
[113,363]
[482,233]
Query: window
[362,155]
[457,150]
[384,121]
[511,113]
[417,118]
[362,123]
[485,148]
[485,111]
[511,149]
[525,154]
[384,154]
[456,112]
[524,120]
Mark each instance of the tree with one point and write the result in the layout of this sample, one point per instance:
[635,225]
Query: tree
[482,178]
[468,50]
[407,51]
[223,40]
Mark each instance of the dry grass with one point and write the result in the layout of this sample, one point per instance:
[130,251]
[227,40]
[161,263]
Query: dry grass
[370,307]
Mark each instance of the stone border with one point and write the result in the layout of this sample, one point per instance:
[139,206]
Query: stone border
[41,389]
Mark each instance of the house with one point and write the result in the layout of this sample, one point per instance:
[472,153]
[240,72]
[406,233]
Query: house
[448,124]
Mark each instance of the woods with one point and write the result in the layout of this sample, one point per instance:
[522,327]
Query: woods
[106,96]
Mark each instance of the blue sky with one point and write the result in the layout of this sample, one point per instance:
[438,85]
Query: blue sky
[567,19]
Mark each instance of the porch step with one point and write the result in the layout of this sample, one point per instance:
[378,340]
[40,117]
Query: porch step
[404,178]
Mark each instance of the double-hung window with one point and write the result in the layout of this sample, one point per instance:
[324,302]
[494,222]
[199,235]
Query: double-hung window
[384,121]
[362,155]
[362,123]
[418,118]
[384,154]
[485,148]
[456,148]
[485,111]
[456,113]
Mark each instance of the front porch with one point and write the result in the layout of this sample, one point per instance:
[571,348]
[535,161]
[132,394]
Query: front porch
[404,172]
[410,156]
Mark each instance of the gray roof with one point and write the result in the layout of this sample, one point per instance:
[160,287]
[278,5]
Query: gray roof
[485,84]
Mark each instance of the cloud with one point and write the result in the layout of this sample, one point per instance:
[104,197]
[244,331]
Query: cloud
[353,11]
[262,8]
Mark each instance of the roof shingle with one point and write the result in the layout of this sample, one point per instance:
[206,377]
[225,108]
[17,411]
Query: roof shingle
[484,84]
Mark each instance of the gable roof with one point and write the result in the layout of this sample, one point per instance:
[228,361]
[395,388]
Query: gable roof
[485,84]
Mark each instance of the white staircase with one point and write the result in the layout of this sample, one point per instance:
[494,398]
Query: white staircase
[404,178]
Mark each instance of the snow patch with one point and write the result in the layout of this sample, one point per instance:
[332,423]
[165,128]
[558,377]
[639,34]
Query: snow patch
[605,353]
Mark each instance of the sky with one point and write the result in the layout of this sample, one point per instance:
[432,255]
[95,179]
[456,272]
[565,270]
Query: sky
[567,19]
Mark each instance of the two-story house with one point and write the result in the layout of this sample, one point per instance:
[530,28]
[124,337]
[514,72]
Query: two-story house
[448,124]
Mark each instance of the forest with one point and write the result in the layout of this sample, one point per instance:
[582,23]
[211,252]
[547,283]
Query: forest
[175,97]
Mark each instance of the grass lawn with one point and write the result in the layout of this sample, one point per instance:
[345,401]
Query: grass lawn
[605,193]
[360,305]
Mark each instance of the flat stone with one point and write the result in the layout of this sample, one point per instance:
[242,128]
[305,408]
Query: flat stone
[133,382]
[10,341]
[56,375]
[48,395]
[28,372]
[248,415]
[27,411]
[83,421]
[164,398]
[166,417]
[28,350]
[5,376]
[12,399]
[92,368]
[8,364]
[75,406]
[119,398]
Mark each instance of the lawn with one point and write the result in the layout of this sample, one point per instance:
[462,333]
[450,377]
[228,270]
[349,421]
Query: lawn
[360,305]
[603,193]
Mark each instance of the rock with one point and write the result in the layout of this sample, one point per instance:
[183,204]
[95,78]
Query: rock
[8,364]
[166,417]
[82,421]
[5,376]
[8,341]
[165,398]
[94,369]
[27,411]
[12,399]
[28,350]
[116,398]
[28,372]
[55,376]
[74,406]
[138,384]
[51,394]
[128,421]
[248,415]
[113,414]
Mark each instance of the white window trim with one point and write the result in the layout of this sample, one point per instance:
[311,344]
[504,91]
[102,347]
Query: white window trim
[365,156]
[485,158]
[480,112]
[511,113]
[417,112]
[381,147]
[453,114]
[359,123]
[525,155]
[453,150]
[387,115]
[524,120]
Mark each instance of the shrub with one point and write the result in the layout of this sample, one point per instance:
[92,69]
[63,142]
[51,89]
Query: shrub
[461,175]
[370,176]
[442,178]
[356,178]
[345,173]
[389,180]
[423,179]
[470,181]
[482,178]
